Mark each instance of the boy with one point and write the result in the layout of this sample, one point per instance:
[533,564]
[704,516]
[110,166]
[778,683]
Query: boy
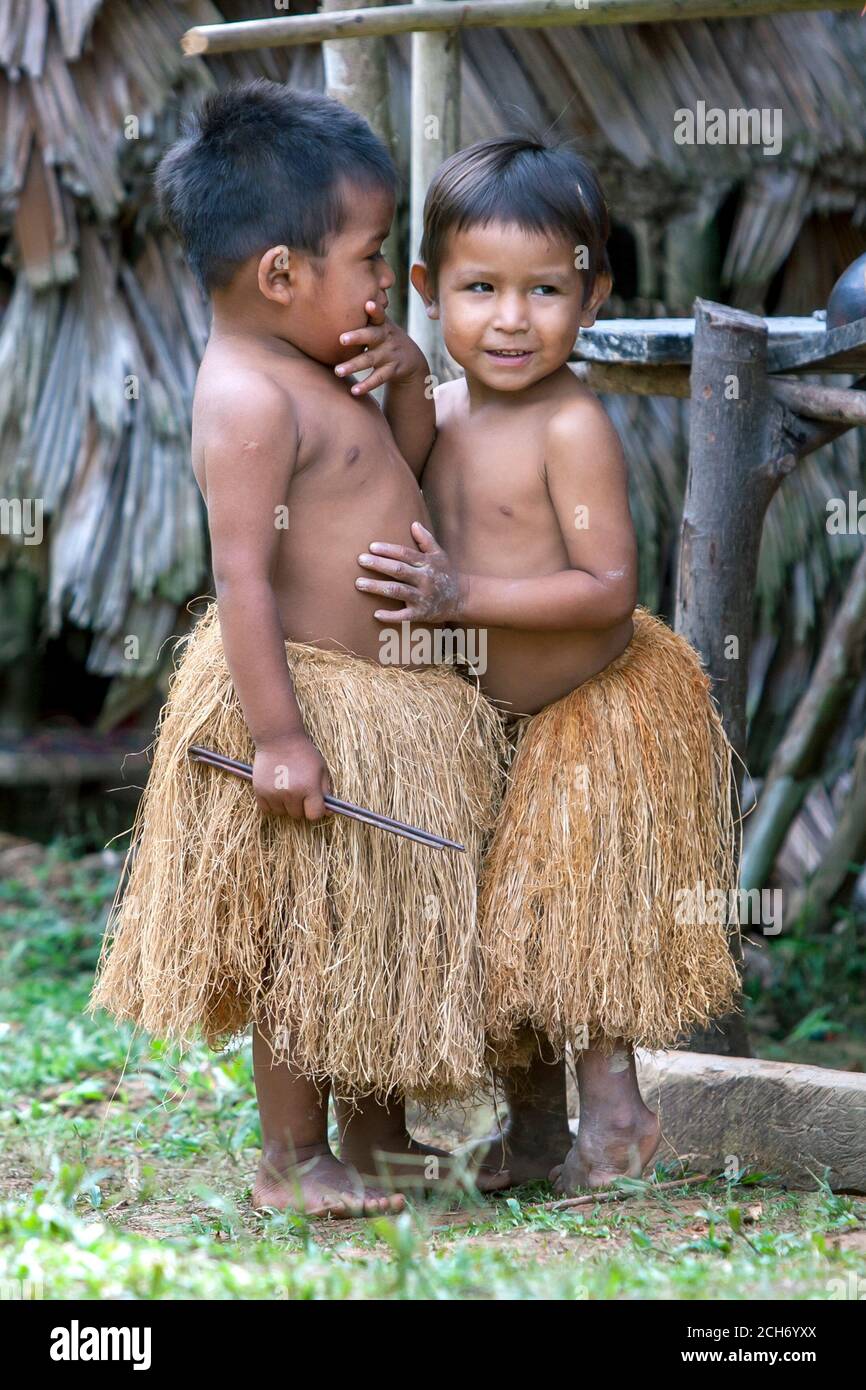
[354,953]
[618,795]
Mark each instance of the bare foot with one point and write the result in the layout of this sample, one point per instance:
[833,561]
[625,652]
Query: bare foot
[526,1151]
[607,1147]
[317,1184]
[423,1167]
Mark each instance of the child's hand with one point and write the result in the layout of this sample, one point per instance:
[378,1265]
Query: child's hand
[390,352]
[290,778]
[432,587]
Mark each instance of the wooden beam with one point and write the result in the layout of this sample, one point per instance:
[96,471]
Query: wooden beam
[670,341]
[621,379]
[838,404]
[840,349]
[797,436]
[290,30]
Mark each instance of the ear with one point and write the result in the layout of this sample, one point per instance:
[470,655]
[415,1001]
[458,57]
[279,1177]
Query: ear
[422,283]
[601,291]
[277,273]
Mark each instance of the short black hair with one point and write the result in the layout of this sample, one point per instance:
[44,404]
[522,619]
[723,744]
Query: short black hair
[521,179]
[260,165]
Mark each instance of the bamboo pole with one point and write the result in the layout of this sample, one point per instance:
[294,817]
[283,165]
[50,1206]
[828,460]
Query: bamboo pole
[482,14]
[356,74]
[435,136]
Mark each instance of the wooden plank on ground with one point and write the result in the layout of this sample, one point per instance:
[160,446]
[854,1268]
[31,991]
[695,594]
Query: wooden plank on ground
[777,1117]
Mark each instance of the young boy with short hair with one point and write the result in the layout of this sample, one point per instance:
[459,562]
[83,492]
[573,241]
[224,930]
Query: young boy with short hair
[619,793]
[354,953]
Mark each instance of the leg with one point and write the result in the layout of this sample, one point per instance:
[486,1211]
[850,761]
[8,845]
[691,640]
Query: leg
[297,1169]
[375,1141]
[618,1134]
[537,1134]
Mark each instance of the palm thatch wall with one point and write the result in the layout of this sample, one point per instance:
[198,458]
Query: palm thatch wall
[101,325]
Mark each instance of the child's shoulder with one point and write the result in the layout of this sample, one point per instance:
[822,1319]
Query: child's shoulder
[450,399]
[579,425]
[233,388]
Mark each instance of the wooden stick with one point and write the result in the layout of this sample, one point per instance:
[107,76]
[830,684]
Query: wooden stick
[614,1194]
[291,30]
[842,404]
[342,808]
[464,1218]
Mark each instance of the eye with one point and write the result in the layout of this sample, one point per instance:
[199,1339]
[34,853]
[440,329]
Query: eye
[480,286]
[376,256]
[545,289]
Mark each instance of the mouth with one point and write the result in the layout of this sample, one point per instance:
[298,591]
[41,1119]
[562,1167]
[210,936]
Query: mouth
[511,357]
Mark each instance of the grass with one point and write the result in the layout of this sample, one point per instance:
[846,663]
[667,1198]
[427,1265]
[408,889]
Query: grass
[126,1172]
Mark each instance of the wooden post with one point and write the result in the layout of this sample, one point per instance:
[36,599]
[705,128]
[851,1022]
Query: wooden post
[356,73]
[729,486]
[728,489]
[435,135]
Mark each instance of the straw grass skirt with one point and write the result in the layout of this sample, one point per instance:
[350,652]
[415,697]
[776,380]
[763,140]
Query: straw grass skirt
[356,950]
[615,829]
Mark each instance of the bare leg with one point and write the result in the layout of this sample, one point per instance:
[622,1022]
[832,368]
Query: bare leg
[618,1134]
[537,1135]
[297,1169]
[374,1140]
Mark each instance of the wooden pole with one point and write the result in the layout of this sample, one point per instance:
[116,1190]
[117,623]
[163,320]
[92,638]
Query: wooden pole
[482,14]
[844,405]
[435,136]
[357,75]
[728,490]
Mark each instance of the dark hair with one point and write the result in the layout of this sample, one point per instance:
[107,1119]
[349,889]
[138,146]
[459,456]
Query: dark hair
[519,179]
[260,165]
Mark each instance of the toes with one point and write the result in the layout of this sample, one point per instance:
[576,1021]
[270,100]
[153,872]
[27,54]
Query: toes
[554,1174]
[383,1203]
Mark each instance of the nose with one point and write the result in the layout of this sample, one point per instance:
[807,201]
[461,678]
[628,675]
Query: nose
[386,276]
[510,315]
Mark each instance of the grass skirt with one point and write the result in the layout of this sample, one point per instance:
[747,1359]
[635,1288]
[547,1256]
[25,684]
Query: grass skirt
[618,806]
[356,950]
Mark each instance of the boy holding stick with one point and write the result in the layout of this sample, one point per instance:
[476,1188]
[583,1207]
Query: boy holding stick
[618,798]
[354,953]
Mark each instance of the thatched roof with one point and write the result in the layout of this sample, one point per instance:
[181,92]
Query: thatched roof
[104,327]
[100,306]
[616,89]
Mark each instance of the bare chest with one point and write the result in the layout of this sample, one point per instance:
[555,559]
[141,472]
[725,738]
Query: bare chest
[489,480]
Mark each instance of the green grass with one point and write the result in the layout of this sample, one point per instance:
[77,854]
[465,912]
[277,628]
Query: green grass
[126,1172]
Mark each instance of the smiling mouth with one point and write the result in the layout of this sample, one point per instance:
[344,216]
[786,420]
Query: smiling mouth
[508,354]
